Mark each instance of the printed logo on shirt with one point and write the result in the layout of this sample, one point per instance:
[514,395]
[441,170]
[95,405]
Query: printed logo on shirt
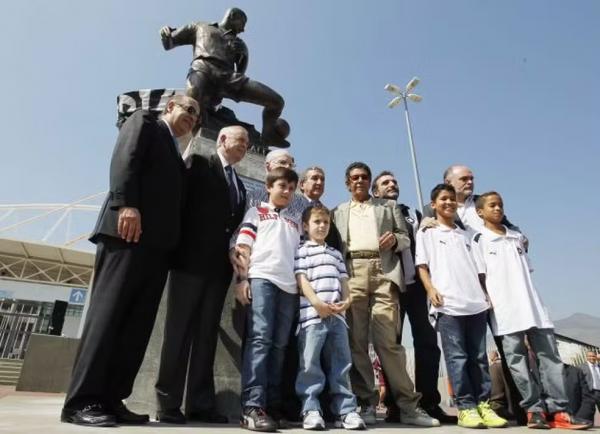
[520,250]
[443,242]
[410,220]
[468,246]
[492,252]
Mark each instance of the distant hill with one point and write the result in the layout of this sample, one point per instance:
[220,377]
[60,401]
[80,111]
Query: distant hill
[580,326]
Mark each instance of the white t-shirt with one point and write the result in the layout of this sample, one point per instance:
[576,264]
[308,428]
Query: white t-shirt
[446,251]
[468,215]
[516,304]
[274,236]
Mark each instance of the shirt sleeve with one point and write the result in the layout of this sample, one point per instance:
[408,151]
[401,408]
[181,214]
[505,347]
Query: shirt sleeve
[341,266]
[421,250]
[248,228]
[525,255]
[300,261]
[477,251]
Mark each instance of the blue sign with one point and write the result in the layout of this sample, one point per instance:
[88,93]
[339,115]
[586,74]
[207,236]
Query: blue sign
[77,296]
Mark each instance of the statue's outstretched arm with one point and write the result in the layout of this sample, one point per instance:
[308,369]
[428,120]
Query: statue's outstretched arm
[173,37]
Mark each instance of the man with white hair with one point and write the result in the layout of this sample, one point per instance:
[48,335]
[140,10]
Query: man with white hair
[199,280]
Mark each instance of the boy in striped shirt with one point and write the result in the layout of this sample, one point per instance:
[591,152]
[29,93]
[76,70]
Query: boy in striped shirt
[323,282]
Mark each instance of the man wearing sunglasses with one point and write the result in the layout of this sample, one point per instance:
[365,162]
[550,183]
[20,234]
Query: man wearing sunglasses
[136,233]
[372,233]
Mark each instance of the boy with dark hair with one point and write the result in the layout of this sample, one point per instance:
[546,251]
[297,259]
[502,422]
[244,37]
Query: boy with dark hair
[268,237]
[325,296]
[518,314]
[449,275]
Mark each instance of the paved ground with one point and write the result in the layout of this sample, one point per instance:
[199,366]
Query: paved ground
[22,412]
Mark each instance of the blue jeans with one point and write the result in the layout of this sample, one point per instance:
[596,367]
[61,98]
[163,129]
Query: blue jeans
[326,341]
[268,327]
[463,344]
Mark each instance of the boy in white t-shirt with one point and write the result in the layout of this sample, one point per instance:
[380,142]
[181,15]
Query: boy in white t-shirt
[268,237]
[449,275]
[518,313]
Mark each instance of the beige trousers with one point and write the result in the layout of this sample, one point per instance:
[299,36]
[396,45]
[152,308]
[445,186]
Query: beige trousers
[375,304]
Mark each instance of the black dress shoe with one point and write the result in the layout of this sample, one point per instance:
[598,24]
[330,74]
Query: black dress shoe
[90,415]
[206,416]
[127,417]
[439,414]
[170,416]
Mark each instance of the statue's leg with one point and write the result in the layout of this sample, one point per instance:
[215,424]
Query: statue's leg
[257,93]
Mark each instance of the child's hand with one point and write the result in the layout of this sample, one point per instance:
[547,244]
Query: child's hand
[243,294]
[436,298]
[341,307]
[323,309]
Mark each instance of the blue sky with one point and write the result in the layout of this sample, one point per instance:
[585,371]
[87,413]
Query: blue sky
[510,88]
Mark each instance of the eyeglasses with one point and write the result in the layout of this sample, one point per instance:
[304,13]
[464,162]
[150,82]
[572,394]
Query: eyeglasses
[360,176]
[190,109]
[285,163]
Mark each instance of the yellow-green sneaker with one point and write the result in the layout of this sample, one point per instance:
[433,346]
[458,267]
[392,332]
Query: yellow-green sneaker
[470,418]
[489,416]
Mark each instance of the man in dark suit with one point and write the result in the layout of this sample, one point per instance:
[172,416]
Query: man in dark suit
[413,303]
[137,230]
[591,370]
[581,397]
[198,282]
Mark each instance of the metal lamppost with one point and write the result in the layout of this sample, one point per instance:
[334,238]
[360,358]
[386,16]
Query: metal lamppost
[402,96]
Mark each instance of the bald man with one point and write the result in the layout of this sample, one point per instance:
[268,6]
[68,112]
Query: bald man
[199,280]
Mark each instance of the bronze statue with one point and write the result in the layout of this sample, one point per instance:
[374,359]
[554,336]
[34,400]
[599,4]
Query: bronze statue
[218,71]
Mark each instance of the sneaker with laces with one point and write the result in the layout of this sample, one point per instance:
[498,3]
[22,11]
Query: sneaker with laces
[418,417]
[256,419]
[368,414]
[312,420]
[537,420]
[564,420]
[351,421]
[489,416]
[470,418]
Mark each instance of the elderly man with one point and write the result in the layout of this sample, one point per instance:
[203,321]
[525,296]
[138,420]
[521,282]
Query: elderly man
[372,234]
[413,302]
[199,280]
[312,185]
[137,231]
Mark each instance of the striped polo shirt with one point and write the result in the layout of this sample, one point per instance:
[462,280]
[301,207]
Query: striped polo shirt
[324,267]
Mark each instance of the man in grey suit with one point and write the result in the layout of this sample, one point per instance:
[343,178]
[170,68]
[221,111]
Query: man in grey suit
[372,232]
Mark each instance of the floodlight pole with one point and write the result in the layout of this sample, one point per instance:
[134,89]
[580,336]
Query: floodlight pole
[413,155]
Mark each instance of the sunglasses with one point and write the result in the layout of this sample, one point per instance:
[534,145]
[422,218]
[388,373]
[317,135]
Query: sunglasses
[191,110]
[364,177]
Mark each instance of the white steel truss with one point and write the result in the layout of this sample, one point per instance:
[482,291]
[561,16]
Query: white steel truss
[42,271]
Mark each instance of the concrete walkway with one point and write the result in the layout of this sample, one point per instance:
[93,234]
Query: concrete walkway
[29,413]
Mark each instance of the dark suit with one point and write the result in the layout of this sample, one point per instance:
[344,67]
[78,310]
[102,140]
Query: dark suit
[581,397]
[197,287]
[146,172]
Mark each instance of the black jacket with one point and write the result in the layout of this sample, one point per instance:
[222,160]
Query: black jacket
[208,219]
[146,172]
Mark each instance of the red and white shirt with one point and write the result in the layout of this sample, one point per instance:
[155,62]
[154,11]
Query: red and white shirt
[273,235]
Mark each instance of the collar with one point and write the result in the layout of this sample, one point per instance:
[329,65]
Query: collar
[312,202]
[313,244]
[171,131]
[354,203]
[271,207]
[442,227]
[493,236]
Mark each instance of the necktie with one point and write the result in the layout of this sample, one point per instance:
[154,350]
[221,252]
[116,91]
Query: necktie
[233,195]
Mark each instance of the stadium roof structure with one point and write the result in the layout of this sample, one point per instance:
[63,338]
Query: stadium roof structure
[47,243]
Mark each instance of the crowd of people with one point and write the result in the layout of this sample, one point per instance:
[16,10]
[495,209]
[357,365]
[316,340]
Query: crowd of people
[318,287]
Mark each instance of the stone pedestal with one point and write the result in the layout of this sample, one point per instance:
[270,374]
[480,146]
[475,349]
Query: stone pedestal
[227,366]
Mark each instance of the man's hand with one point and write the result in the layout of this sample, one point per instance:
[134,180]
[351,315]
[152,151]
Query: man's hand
[243,293]
[387,241]
[165,32]
[435,297]
[323,309]
[240,259]
[428,222]
[130,224]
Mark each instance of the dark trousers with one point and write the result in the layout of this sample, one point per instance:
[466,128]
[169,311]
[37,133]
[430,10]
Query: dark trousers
[127,287]
[413,303]
[194,307]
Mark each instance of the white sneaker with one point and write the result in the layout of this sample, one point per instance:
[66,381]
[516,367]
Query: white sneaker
[418,417]
[351,421]
[368,414]
[313,421]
